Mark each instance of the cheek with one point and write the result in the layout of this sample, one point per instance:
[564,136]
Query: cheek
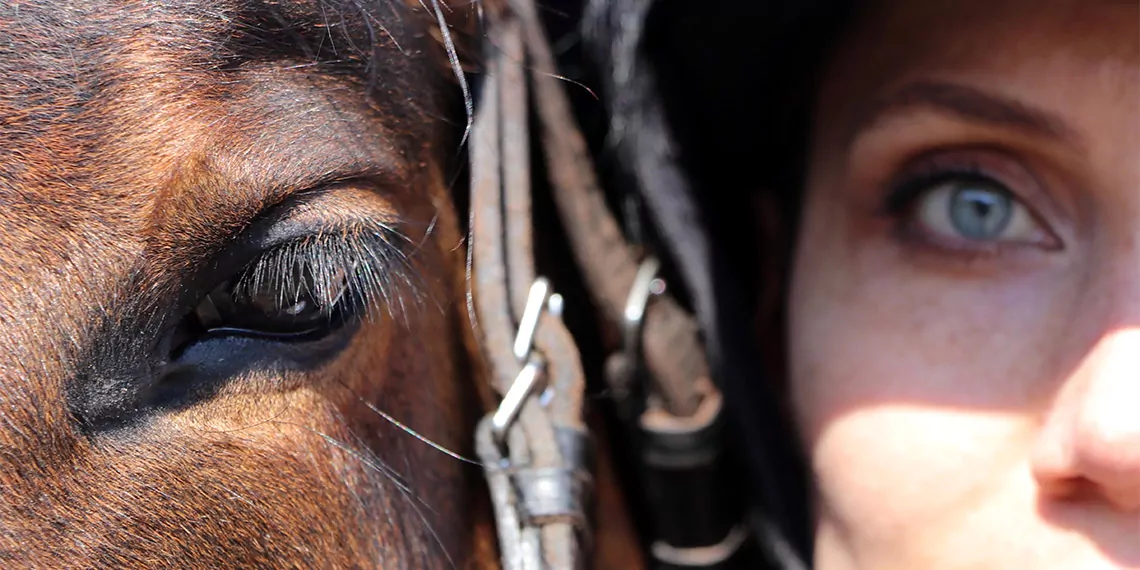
[900,376]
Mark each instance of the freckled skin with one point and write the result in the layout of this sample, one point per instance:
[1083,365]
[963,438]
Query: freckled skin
[975,412]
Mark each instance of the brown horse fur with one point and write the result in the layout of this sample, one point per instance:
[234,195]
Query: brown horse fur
[148,150]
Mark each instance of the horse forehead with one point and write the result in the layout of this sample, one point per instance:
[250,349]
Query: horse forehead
[103,104]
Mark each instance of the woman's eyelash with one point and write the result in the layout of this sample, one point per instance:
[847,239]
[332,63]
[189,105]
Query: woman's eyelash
[902,196]
[346,271]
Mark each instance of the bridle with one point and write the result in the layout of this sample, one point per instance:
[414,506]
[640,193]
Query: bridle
[535,446]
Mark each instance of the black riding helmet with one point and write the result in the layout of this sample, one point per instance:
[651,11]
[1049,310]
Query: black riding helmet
[708,102]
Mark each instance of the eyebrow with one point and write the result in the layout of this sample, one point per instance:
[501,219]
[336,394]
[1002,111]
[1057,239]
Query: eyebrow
[969,103]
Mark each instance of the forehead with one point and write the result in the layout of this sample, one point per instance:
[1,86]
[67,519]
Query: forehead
[1076,59]
[966,32]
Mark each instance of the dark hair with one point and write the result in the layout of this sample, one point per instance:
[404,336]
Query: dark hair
[709,102]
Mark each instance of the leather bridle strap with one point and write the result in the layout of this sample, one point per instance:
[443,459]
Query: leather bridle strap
[535,454]
[672,410]
[534,446]
[670,341]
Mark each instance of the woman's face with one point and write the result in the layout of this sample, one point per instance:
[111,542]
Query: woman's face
[965,304]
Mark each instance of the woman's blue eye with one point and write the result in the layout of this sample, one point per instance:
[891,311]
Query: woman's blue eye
[980,213]
[975,211]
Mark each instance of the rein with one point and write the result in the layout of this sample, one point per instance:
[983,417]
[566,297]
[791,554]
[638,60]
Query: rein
[535,447]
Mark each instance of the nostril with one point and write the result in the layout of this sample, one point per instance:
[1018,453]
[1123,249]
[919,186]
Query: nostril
[1083,457]
[1107,451]
[1089,444]
[1053,462]
[1103,421]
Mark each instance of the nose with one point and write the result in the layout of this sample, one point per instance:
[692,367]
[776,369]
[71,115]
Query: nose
[1090,439]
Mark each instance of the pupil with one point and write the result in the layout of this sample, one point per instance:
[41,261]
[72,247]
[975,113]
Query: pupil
[980,213]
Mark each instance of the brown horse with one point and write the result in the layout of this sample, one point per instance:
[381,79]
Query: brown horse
[230,259]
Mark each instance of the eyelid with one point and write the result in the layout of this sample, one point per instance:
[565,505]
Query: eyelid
[326,210]
[322,211]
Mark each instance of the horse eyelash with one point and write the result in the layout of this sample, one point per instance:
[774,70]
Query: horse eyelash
[352,270]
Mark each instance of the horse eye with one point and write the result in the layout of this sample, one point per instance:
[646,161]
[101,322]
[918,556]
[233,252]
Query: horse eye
[281,304]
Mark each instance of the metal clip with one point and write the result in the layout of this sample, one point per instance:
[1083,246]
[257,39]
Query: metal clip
[522,388]
[540,297]
[529,378]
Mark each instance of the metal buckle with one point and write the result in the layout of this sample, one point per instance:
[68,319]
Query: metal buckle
[530,377]
[526,498]
[646,285]
[622,365]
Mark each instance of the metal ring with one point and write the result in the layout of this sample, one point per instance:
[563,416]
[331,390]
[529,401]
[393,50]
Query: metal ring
[701,556]
[522,388]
